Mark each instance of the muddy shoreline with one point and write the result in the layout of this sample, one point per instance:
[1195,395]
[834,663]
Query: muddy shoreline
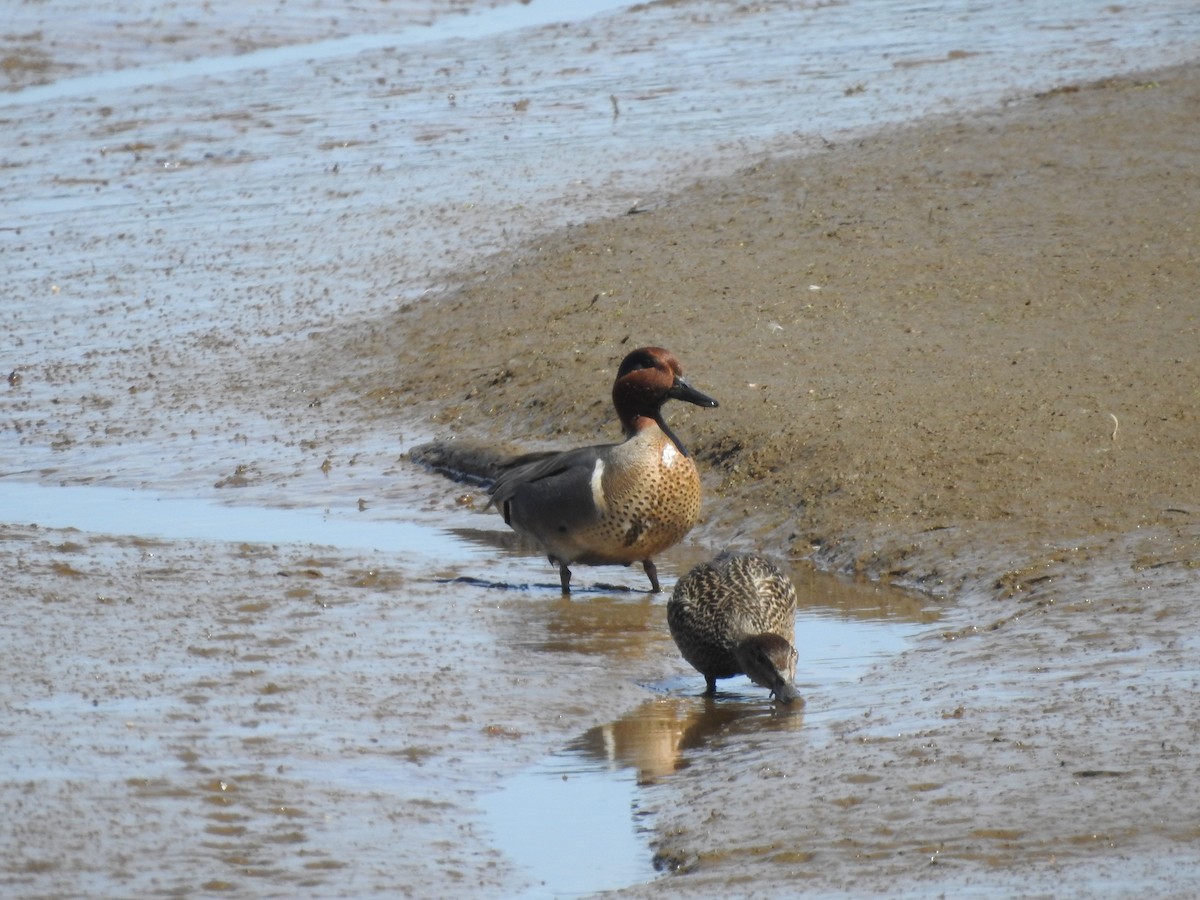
[959,356]
[976,331]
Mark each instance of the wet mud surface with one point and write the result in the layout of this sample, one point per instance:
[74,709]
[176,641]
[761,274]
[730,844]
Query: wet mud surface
[274,720]
[957,357]
[195,716]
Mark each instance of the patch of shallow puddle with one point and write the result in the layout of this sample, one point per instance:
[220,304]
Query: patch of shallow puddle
[572,823]
[551,821]
[575,823]
[109,510]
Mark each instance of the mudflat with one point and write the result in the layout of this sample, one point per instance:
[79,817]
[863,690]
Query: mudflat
[960,356]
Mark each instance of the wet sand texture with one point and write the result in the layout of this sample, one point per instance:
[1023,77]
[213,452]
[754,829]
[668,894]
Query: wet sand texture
[961,356]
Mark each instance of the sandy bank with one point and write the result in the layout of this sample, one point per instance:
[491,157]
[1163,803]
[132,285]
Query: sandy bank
[962,356]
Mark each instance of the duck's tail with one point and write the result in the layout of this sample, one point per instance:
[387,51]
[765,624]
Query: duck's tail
[469,463]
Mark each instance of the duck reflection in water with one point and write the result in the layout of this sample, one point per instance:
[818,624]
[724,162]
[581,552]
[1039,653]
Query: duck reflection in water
[655,739]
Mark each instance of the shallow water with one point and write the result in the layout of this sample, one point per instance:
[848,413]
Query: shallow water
[144,514]
[583,803]
[230,673]
[280,664]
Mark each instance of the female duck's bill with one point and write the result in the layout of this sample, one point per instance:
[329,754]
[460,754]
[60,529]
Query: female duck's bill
[736,615]
[612,504]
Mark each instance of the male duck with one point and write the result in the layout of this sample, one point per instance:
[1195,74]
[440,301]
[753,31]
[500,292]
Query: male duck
[612,504]
[735,615]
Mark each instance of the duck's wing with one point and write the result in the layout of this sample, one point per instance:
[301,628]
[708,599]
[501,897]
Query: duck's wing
[561,482]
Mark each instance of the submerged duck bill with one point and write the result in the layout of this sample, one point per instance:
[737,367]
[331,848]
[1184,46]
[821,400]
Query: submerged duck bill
[787,695]
[681,390]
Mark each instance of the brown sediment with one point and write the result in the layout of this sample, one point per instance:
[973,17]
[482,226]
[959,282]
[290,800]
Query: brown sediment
[958,355]
[957,336]
[962,356]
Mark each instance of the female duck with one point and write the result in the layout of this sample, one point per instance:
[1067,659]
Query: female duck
[612,504]
[737,615]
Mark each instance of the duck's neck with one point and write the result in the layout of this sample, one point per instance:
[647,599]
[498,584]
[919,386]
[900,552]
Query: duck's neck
[635,425]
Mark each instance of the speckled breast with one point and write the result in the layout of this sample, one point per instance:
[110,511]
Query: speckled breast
[652,499]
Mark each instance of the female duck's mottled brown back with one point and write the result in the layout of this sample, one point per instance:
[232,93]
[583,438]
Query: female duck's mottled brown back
[737,615]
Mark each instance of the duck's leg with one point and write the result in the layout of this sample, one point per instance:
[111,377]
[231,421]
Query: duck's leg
[564,575]
[652,573]
[711,686]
